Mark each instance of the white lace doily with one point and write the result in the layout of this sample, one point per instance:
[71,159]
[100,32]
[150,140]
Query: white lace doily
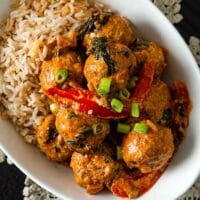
[171,8]
[32,191]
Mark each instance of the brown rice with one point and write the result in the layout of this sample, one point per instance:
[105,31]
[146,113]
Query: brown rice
[23,36]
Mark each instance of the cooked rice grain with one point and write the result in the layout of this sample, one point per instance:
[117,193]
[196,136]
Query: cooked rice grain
[23,36]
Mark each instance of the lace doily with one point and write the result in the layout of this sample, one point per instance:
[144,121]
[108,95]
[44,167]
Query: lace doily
[32,191]
[171,8]
[194,44]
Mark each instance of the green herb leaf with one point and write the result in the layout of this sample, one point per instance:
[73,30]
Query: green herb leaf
[52,134]
[71,115]
[101,50]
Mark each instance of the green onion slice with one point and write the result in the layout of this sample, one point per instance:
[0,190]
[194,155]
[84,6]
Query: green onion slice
[141,128]
[135,110]
[119,152]
[132,82]
[98,128]
[54,107]
[69,142]
[117,105]
[71,115]
[61,76]
[104,86]
[123,128]
[124,94]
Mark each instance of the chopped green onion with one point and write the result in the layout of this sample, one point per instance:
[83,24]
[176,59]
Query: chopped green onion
[71,115]
[98,128]
[119,152]
[135,111]
[69,142]
[124,94]
[117,105]
[54,107]
[132,82]
[123,128]
[104,86]
[61,75]
[141,128]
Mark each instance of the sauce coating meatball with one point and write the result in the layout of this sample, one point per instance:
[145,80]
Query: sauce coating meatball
[150,51]
[50,142]
[81,132]
[158,101]
[115,28]
[94,171]
[150,151]
[50,69]
[119,70]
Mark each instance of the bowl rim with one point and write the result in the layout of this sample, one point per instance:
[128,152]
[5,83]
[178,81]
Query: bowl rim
[51,189]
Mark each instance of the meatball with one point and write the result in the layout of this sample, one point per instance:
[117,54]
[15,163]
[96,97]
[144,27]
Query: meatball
[81,132]
[70,62]
[117,29]
[150,151]
[150,51]
[50,142]
[94,171]
[119,68]
[157,104]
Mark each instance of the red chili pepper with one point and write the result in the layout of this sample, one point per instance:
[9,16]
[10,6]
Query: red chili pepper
[87,103]
[144,83]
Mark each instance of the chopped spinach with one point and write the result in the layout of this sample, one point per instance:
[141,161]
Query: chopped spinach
[86,132]
[101,50]
[167,116]
[126,54]
[178,133]
[89,26]
[106,17]
[57,149]
[181,109]
[71,115]
[69,142]
[139,44]
[52,134]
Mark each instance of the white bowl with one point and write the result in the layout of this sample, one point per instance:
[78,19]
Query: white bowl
[185,166]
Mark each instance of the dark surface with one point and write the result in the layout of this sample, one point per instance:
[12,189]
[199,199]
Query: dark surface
[12,180]
[190,25]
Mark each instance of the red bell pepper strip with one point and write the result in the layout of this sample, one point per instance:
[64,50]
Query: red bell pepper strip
[86,101]
[118,191]
[133,186]
[144,83]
